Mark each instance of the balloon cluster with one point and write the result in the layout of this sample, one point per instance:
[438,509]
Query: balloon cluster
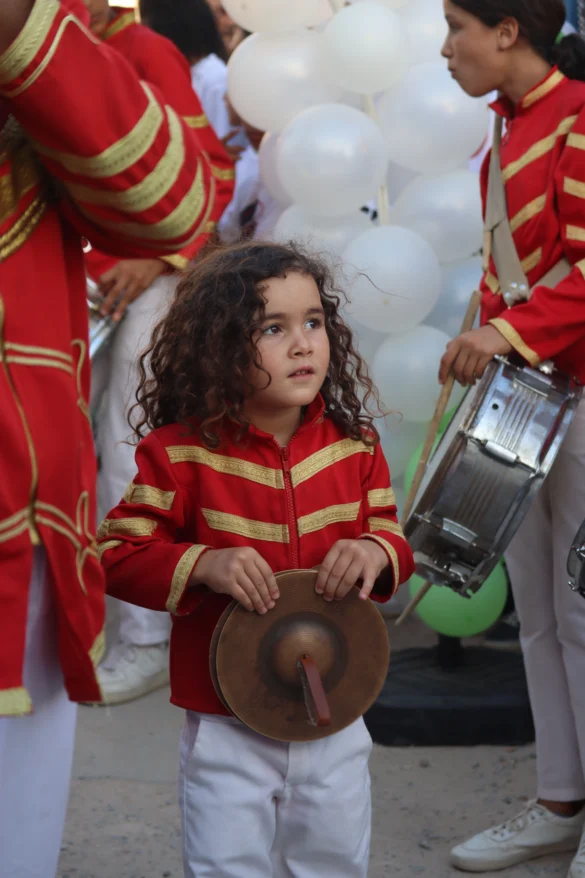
[358,104]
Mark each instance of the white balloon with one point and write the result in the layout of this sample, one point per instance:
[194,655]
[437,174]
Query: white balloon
[396,279]
[459,282]
[405,371]
[445,210]
[273,16]
[430,124]
[390,4]
[272,77]
[269,172]
[399,440]
[365,48]
[332,159]
[320,233]
[397,179]
[426,30]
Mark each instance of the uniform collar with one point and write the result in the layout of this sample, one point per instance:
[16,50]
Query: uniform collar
[313,415]
[123,19]
[504,106]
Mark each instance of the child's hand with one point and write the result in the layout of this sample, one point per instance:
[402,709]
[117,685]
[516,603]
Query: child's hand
[345,563]
[242,574]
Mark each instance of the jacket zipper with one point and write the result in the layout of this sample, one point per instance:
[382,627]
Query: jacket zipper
[293,530]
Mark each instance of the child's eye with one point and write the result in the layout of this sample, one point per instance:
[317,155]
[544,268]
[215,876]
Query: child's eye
[314,323]
[271,330]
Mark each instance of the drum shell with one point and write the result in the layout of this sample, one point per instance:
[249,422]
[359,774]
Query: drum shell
[487,470]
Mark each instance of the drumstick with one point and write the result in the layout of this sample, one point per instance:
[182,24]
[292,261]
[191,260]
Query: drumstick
[440,409]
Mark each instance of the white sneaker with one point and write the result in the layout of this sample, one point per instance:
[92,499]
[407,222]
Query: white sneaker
[577,869]
[130,671]
[534,832]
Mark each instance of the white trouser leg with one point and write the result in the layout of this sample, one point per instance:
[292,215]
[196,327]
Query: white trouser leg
[256,808]
[36,751]
[137,625]
[552,620]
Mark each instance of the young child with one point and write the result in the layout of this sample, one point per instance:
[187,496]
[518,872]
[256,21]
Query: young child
[260,460]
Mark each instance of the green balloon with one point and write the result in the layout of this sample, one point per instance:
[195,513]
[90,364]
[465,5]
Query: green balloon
[413,462]
[447,612]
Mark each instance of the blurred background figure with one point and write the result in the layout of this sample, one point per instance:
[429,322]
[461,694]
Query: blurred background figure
[231,33]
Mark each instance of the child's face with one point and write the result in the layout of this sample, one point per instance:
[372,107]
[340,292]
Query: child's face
[292,343]
[99,11]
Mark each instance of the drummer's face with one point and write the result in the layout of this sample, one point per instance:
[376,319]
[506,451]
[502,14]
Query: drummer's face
[292,343]
[475,52]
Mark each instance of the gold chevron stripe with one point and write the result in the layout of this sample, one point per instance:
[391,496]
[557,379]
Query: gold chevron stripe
[532,209]
[315,521]
[104,547]
[132,527]
[540,148]
[516,340]
[15,702]
[385,524]
[196,121]
[393,554]
[531,261]
[96,652]
[381,497]
[147,495]
[21,360]
[575,233]
[35,350]
[233,466]
[246,527]
[23,50]
[325,458]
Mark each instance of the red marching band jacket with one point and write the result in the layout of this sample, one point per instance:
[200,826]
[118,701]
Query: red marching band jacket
[290,504]
[543,166]
[62,135]
[158,62]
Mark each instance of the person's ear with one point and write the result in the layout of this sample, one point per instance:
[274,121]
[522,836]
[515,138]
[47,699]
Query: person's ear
[508,33]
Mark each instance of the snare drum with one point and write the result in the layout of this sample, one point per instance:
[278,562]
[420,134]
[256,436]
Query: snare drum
[576,562]
[486,471]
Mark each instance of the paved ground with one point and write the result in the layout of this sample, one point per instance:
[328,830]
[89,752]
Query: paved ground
[123,819]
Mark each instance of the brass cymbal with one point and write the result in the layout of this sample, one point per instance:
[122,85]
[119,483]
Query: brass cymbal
[306,669]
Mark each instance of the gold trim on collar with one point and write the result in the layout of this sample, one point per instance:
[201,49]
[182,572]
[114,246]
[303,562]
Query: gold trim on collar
[232,466]
[196,121]
[147,495]
[538,149]
[246,527]
[103,547]
[15,702]
[392,527]
[543,89]
[516,340]
[96,652]
[327,457]
[532,209]
[29,41]
[131,527]
[154,187]
[181,576]
[381,497]
[392,554]
[121,155]
[120,23]
[315,521]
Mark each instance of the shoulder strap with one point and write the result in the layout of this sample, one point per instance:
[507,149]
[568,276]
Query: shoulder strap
[498,238]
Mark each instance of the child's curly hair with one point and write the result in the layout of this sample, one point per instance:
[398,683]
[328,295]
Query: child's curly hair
[200,355]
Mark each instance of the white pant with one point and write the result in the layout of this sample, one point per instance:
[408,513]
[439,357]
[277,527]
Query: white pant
[256,808]
[36,751]
[552,620]
[117,372]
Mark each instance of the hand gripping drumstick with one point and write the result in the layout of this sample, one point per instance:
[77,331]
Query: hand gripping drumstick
[440,409]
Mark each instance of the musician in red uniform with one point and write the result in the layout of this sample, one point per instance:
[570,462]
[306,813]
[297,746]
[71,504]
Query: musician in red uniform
[63,139]
[513,46]
[260,460]
[142,288]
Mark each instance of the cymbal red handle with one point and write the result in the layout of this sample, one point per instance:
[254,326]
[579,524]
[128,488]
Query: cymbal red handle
[315,697]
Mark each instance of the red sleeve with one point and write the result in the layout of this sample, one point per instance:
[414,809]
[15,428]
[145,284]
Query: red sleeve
[141,546]
[134,179]
[383,527]
[553,319]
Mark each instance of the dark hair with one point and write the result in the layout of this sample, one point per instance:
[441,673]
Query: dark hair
[197,365]
[540,23]
[189,24]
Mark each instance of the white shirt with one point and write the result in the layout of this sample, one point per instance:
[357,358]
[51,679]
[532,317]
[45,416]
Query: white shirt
[209,80]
